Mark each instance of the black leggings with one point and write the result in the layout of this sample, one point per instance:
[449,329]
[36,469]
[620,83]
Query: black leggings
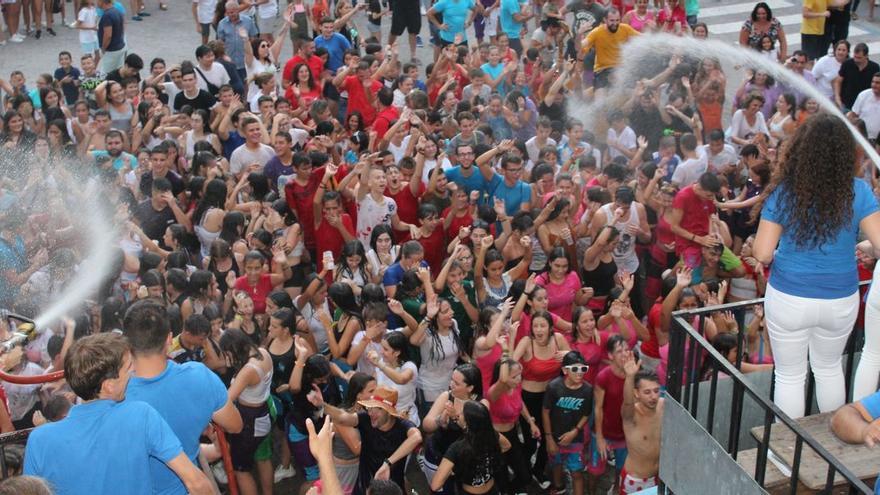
[516,459]
[534,402]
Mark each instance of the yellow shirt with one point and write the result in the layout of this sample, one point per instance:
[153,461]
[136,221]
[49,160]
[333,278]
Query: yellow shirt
[814,25]
[608,44]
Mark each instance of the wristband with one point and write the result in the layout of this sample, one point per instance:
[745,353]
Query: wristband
[387,462]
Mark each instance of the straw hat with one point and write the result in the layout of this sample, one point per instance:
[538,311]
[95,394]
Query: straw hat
[386,399]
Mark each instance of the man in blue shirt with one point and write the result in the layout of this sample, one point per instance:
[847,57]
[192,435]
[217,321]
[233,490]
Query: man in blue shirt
[104,445]
[465,175]
[335,44]
[15,269]
[457,16]
[115,144]
[857,423]
[111,36]
[228,33]
[187,396]
[515,193]
[513,19]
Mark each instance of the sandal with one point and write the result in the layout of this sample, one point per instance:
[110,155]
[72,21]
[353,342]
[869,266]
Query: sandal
[163,6]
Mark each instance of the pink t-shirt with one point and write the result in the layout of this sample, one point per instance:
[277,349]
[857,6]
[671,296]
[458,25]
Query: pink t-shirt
[560,297]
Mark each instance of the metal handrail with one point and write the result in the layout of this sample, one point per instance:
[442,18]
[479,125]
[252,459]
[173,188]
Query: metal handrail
[678,363]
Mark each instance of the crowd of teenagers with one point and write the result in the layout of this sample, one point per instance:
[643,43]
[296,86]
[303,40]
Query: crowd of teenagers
[472,284]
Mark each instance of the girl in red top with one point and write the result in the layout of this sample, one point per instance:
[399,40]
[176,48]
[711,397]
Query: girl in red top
[587,340]
[672,19]
[302,92]
[541,357]
[258,284]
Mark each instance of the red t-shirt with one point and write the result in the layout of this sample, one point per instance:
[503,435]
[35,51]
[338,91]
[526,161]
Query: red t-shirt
[258,292]
[407,204]
[316,65]
[357,98]
[329,239]
[695,218]
[650,347]
[435,249]
[304,100]
[300,198]
[594,354]
[612,421]
[384,120]
[458,223]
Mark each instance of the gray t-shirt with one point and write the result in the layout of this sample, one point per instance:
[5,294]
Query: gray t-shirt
[242,157]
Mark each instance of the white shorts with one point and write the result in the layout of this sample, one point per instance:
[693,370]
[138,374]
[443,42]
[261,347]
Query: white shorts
[491,28]
[88,47]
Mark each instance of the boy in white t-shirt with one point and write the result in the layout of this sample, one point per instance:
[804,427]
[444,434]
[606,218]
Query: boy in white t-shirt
[621,138]
[87,24]
[375,208]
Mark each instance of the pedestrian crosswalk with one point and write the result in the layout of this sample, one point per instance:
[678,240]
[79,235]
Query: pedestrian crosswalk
[725,20]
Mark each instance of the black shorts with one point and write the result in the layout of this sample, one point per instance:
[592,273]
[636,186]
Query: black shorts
[603,79]
[243,445]
[815,45]
[406,17]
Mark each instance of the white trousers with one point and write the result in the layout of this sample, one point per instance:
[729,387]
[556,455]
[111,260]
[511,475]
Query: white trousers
[800,327]
[868,371]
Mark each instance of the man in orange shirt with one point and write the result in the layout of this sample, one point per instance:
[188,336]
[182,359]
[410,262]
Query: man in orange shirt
[607,39]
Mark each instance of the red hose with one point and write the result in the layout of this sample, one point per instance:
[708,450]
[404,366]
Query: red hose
[33,379]
[227,460]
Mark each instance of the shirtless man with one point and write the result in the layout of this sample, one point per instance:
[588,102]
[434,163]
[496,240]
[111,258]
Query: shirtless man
[642,414]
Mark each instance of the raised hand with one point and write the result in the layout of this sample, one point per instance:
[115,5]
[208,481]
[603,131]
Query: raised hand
[683,277]
[632,365]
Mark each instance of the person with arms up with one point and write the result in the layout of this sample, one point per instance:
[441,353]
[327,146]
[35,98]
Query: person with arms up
[811,215]
[387,438]
[105,444]
[187,396]
[642,414]
[607,39]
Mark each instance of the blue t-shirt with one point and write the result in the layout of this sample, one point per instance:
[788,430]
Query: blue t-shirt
[13,257]
[113,19]
[494,72]
[824,272]
[475,182]
[455,14]
[513,196]
[336,47]
[118,162]
[509,25]
[102,447]
[185,395]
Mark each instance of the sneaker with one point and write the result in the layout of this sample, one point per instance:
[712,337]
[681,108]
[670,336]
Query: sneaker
[51,31]
[419,42]
[71,24]
[219,473]
[144,13]
[16,38]
[137,18]
[282,473]
[39,34]
[541,481]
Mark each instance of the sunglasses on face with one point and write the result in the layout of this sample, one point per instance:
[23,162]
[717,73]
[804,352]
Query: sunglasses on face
[574,368]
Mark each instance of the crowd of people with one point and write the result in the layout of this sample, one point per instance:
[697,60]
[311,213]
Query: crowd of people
[437,260]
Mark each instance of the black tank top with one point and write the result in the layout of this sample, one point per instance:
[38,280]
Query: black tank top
[282,366]
[220,276]
[601,279]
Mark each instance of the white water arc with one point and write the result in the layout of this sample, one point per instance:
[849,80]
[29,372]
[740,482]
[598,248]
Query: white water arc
[94,267]
[648,51]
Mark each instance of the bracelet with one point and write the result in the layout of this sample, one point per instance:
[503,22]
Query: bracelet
[693,236]
[388,462]
[527,294]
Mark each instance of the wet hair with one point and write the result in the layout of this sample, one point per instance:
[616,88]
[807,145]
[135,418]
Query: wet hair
[200,283]
[287,317]
[472,377]
[239,348]
[281,299]
[343,298]
[112,312]
[398,341]
[372,293]
[383,487]
[356,384]
[380,229]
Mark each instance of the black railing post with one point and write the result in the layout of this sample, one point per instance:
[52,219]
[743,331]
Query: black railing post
[761,461]
[676,359]
[713,391]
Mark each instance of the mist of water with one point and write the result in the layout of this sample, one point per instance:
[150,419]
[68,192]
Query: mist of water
[645,56]
[91,220]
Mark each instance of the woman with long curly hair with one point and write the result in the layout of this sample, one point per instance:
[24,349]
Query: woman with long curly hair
[813,210]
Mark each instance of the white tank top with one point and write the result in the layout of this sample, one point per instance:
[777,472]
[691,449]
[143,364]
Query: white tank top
[625,253]
[259,393]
